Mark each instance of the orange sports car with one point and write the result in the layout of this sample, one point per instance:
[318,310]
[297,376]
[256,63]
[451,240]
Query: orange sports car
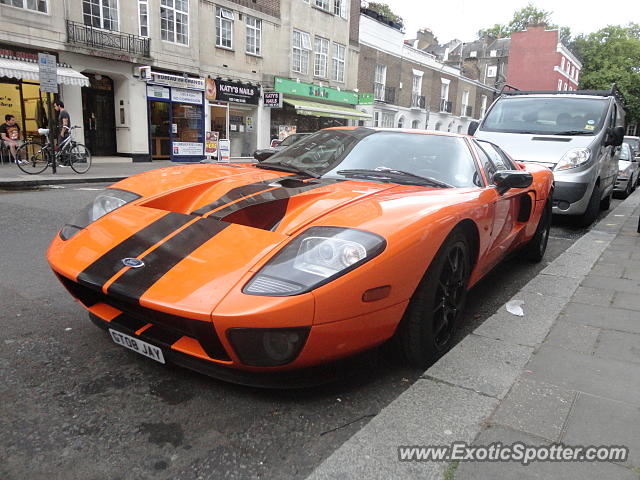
[332,246]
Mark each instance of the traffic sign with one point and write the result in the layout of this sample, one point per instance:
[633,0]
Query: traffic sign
[48,73]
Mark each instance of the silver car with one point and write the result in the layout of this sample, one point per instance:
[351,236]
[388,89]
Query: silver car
[628,172]
[575,134]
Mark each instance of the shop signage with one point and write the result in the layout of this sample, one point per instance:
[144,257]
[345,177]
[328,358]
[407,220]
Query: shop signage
[47,73]
[157,91]
[233,92]
[181,95]
[176,81]
[224,150]
[190,149]
[272,99]
[365,99]
[211,144]
[309,90]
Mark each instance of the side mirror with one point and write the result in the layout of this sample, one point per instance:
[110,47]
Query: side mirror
[473,126]
[615,136]
[507,179]
[262,155]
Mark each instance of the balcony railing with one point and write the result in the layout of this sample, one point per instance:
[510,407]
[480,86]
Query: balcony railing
[446,106]
[80,34]
[418,101]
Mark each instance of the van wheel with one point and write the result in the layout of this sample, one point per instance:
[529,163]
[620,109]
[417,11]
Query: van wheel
[591,213]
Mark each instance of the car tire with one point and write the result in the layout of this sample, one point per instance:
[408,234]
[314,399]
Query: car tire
[627,191]
[536,247]
[427,328]
[591,213]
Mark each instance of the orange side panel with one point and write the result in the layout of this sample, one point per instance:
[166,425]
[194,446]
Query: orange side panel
[104,311]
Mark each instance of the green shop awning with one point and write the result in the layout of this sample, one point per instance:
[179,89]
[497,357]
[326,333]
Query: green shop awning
[316,109]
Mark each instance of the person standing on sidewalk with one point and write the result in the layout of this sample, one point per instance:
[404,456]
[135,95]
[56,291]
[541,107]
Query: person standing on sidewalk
[64,121]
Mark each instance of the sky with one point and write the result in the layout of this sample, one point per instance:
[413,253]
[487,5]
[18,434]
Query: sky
[463,18]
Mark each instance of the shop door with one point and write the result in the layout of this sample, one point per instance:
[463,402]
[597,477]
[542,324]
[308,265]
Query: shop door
[160,124]
[98,111]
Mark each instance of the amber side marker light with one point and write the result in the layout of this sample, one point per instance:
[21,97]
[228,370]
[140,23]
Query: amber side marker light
[378,293]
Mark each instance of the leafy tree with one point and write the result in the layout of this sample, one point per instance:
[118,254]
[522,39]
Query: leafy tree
[612,54]
[529,15]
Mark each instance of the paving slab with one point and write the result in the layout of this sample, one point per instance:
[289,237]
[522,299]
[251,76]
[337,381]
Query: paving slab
[593,296]
[537,470]
[621,346]
[617,284]
[570,265]
[552,285]
[534,407]
[603,317]
[608,270]
[630,301]
[595,375]
[539,314]
[571,336]
[482,364]
[601,421]
[429,413]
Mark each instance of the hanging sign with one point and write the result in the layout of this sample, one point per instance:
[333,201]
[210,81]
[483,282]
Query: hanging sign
[272,99]
[47,73]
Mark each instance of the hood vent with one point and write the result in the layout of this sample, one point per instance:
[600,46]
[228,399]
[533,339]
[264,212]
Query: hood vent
[551,139]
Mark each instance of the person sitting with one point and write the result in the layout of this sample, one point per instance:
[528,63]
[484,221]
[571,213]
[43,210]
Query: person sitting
[10,133]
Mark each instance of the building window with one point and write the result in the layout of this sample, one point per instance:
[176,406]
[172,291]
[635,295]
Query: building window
[438,126]
[338,62]
[493,53]
[379,82]
[323,4]
[473,54]
[387,120]
[376,119]
[565,85]
[340,8]
[415,124]
[36,5]
[562,63]
[560,84]
[483,106]
[401,122]
[224,28]
[301,43]
[416,89]
[100,13]
[254,35]
[492,71]
[143,16]
[174,21]
[321,57]
[465,103]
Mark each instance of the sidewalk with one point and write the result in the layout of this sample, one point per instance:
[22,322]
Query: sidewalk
[567,372]
[103,169]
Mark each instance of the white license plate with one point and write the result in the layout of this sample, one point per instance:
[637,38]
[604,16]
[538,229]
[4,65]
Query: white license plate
[136,345]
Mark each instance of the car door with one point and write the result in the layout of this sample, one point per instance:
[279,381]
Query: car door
[507,223]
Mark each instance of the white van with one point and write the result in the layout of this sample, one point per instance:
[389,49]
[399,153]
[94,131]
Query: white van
[574,133]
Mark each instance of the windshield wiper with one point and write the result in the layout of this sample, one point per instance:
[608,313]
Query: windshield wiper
[573,132]
[392,174]
[286,168]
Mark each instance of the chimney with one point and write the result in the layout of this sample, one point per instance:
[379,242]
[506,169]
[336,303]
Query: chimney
[426,38]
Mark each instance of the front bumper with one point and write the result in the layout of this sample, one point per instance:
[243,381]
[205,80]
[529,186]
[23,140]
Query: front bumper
[573,189]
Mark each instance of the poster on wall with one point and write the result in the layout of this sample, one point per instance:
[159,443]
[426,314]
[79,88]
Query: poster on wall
[181,95]
[285,130]
[187,149]
[211,144]
[224,150]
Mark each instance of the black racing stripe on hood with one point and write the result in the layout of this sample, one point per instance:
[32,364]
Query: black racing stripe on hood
[105,267]
[238,193]
[282,193]
[132,284]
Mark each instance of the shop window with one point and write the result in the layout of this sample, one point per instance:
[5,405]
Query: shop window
[101,13]
[254,35]
[174,21]
[338,62]
[301,44]
[321,57]
[143,15]
[188,128]
[224,28]
[36,5]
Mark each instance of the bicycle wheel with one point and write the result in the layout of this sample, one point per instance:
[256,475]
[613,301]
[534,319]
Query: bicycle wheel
[79,158]
[32,158]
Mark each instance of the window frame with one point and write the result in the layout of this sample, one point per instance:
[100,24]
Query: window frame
[337,62]
[174,22]
[376,81]
[224,16]
[257,30]
[148,17]
[102,18]
[321,56]
[303,51]
[491,68]
[340,8]
[25,6]
[320,4]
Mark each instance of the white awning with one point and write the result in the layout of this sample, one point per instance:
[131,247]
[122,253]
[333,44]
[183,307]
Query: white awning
[29,71]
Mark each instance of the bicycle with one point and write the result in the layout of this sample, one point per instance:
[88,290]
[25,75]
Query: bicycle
[34,157]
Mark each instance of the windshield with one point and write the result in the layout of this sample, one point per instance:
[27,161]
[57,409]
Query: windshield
[550,116]
[332,153]
[290,140]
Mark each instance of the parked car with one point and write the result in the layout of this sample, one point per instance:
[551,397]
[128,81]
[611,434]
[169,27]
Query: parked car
[628,172]
[634,143]
[574,133]
[346,239]
[262,154]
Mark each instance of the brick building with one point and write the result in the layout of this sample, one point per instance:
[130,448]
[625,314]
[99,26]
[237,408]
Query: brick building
[538,60]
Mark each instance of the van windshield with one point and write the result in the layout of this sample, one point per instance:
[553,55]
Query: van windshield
[547,116]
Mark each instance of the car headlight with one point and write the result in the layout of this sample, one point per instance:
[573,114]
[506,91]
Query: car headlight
[315,257]
[104,203]
[573,158]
